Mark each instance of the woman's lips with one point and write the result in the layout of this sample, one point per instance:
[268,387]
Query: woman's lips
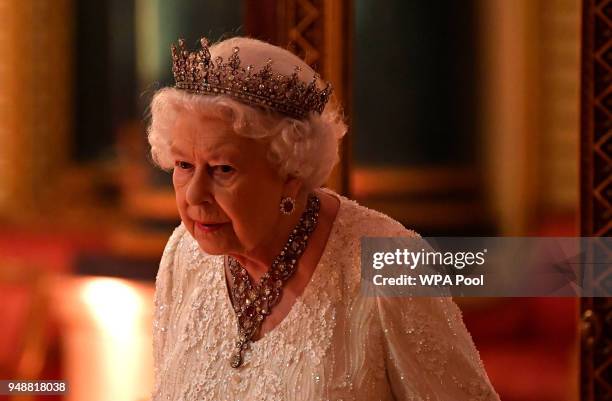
[209,227]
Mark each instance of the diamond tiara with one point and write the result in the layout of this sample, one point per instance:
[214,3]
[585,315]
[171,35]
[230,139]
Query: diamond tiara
[195,72]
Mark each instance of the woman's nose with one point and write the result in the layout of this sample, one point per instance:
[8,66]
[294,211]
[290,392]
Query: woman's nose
[198,190]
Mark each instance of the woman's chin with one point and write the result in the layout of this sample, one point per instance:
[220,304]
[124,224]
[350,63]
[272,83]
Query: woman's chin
[214,240]
[211,248]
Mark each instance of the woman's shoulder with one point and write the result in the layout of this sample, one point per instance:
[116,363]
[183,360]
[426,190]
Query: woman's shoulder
[182,259]
[170,250]
[183,251]
[362,221]
[166,277]
[175,238]
[354,222]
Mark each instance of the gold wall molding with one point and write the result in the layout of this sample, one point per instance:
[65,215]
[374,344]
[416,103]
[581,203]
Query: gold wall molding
[35,112]
[397,181]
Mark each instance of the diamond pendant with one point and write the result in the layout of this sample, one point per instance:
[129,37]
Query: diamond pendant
[236,359]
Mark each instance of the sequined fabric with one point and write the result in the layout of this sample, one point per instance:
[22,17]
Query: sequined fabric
[333,345]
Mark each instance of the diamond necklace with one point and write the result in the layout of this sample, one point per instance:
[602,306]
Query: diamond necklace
[253,302]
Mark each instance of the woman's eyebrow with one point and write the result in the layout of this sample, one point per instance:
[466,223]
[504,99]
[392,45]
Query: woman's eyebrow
[224,150]
[177,151]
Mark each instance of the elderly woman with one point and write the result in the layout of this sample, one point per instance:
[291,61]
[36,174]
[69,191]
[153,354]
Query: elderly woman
[258,290]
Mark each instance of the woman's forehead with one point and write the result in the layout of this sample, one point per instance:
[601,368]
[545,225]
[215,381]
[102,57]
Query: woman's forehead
[184,147]
[194,124]
[200,134]
[208,143]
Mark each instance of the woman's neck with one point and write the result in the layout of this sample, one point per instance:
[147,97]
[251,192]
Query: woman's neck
[258,260]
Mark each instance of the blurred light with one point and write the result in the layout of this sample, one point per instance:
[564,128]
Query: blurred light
[114,305]
[117,346]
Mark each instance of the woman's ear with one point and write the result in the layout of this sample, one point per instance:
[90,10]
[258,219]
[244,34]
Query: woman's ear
[293,186]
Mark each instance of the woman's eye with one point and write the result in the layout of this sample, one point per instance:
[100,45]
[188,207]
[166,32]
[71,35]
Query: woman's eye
[182,165]
[222,169]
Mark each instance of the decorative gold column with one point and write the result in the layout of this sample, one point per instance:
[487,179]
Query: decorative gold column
[509,111]
[596,191]
[319,32]
[35,101]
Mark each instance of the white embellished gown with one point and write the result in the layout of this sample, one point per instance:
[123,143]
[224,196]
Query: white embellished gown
[334,344]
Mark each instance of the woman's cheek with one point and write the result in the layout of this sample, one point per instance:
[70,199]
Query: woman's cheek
[229,183]
[235,204]
[179,179]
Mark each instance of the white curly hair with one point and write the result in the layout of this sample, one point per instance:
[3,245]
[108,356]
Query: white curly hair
[306,149]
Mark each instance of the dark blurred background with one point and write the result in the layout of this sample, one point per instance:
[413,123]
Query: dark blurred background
[464,120]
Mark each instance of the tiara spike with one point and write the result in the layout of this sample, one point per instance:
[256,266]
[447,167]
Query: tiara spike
[195,72]
[234,59]
[204,50]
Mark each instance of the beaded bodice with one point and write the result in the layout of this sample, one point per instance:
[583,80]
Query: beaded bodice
[334,344]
